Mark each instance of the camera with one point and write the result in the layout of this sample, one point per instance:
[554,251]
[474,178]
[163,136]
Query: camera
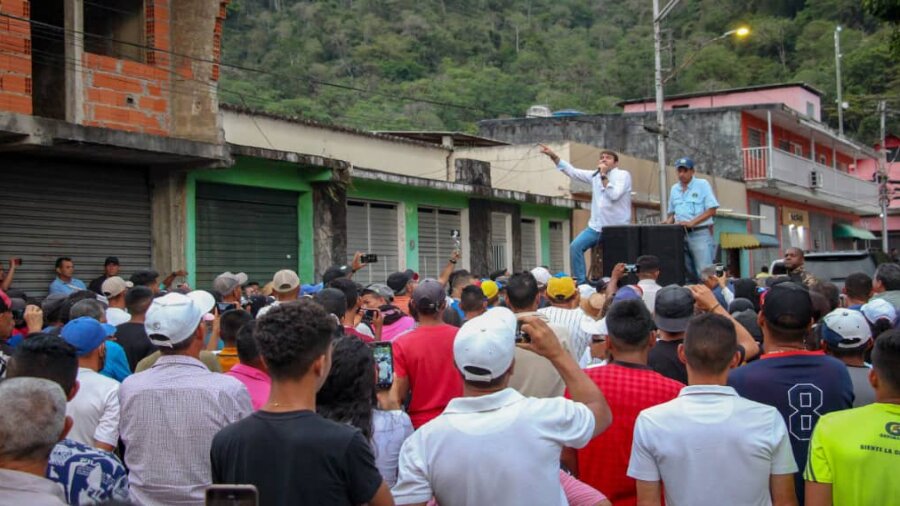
[720,269]
[17,261]
[369,258]
[631,269]
[369,315]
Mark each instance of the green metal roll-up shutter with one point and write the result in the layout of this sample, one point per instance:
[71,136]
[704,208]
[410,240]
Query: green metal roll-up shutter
[557,247]
[373,227]
[51,209]
[245,229]
[435,243]
[529,244]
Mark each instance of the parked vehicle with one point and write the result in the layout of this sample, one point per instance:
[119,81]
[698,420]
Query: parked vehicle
[834,266]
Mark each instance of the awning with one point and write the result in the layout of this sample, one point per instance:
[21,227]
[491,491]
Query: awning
[844,231]
[733,240]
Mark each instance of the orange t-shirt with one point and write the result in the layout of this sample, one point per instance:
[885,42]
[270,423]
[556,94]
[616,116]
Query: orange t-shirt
[228,358]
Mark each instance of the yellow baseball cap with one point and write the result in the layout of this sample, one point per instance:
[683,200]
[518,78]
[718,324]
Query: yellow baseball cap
[489,289]
[561,289]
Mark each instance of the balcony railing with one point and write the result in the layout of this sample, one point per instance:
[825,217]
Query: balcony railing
[807,176]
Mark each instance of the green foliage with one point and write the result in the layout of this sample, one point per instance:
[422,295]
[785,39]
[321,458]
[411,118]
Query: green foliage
[445,64]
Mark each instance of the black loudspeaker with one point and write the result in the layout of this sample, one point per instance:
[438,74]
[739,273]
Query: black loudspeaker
[625,243]
[667,243]
[621,243]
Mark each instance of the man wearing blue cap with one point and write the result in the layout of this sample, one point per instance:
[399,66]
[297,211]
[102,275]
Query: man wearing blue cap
[693,205]
[95,410]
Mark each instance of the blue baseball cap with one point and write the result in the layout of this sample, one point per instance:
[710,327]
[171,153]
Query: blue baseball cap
[86,334]
[684,162]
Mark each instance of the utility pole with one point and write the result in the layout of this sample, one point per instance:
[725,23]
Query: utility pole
[884,195]
[837,68]
[660,116]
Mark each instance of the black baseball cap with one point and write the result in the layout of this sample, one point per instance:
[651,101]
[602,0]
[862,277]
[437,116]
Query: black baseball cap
[111,261]
[788,306]
[398,280]
[673,309]
[335,272]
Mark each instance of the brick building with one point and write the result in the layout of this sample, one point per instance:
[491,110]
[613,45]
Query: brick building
[104,106]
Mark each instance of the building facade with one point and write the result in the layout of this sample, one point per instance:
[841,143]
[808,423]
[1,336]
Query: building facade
[104,107]
[801,177]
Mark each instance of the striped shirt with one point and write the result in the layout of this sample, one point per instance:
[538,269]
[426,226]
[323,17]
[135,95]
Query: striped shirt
[570,319]
[169,415]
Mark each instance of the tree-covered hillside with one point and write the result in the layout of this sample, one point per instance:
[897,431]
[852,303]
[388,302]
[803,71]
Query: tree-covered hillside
[444,64]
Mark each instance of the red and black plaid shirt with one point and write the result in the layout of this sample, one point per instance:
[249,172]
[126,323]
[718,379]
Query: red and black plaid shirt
[629,389]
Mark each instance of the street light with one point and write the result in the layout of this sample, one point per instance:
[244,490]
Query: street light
[837,71]
[738,32]
[658,16]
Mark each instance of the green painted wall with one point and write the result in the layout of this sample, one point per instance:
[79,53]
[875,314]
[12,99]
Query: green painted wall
[285,176]
[260,173]
[413,197]
[545,214]
[733,225]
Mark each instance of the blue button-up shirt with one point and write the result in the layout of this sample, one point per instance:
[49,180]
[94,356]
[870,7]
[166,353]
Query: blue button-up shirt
[688,203]
[60,286]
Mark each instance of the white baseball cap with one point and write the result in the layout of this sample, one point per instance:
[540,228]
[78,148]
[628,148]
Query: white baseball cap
[542,276]
[594,327]
[846,329]
[486,342]
[174,317]
[586,291]
[878,309]
[114,285]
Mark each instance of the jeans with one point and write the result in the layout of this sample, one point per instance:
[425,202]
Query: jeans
[586,240]
[699,249]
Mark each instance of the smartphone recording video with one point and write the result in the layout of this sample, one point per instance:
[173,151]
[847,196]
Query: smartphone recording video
[384,364]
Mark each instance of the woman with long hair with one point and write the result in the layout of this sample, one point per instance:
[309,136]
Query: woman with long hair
[350,396]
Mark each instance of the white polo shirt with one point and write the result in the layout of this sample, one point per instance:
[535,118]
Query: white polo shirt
[709,446]
[498,449]
[95,409]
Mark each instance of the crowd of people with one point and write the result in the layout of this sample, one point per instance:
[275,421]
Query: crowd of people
[507,388]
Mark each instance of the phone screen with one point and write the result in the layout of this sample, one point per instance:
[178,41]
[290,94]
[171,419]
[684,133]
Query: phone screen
[384,364]
[232,495]
[369,315]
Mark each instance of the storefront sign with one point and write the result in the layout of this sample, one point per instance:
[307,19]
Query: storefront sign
[796,217]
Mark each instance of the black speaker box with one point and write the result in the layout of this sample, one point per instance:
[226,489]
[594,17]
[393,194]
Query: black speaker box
[667,243]
[624,243]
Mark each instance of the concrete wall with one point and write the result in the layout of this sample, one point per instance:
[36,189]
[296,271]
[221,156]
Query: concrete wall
[711,137]
[196,33]
[169,225]
[359,149]
[523,168]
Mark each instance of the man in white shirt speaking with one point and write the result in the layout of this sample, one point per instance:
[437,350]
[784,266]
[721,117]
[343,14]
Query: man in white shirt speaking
[514,440]
[709,446]
[610,202]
